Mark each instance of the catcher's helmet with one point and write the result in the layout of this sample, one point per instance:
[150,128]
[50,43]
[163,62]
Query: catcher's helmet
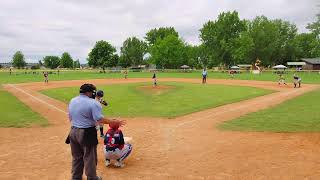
[114,126]
[100,93]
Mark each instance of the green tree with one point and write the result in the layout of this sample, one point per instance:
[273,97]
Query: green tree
[154,34]
[18,60]
[219,36]
[315,51]
[191,55]
[102,55]
[168,53]
[315,29]
[123,62]
[264,34]
[51,62]
[76,64]
[132,52]
[66,60]
[273,41]
[242,54]
[304,44]
[206,57]
[112,62]
[285,49]
[315,26]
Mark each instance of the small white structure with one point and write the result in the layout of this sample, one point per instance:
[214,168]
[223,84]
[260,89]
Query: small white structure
[185,67]
[235,67]
[280,69]
[280,66]
[296,63]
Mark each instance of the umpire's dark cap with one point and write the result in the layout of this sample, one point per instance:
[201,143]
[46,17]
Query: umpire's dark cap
[87,88]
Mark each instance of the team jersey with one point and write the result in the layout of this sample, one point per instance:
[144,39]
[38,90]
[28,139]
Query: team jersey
[204,73]
[113,139]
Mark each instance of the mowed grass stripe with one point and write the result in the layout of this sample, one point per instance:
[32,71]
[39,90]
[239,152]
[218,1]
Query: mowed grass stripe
[16,114]
[182,98]
[301,114]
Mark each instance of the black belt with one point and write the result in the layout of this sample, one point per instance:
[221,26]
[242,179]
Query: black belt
[73,127]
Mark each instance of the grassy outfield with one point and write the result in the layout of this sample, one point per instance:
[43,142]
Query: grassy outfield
[20,76]
[297,115]
[15,114]
[141,100]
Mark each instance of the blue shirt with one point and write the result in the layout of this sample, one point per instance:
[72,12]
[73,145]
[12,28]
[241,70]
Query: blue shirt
[84,112]
[204,73]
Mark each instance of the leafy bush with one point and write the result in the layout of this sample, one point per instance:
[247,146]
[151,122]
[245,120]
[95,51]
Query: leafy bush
[35,66]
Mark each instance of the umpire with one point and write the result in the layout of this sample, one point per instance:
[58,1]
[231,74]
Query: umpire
[84,113]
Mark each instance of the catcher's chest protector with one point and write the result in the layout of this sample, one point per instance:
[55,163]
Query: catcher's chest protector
[112,138]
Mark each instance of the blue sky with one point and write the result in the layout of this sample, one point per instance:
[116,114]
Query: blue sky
[51,27]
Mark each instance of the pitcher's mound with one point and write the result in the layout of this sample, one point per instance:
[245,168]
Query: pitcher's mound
[155,90]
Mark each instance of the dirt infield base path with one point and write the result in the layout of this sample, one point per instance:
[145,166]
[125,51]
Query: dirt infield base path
[187,147]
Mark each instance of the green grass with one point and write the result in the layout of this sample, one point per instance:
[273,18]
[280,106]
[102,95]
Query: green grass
[20,76]
[15,114]
[301,114]
[183,98]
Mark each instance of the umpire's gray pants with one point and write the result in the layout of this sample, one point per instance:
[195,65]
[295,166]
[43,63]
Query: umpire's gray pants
[82,156]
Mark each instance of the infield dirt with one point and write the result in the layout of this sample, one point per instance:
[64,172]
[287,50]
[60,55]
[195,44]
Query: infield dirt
[186,147]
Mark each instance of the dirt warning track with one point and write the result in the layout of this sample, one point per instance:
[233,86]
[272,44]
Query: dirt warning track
[187,147]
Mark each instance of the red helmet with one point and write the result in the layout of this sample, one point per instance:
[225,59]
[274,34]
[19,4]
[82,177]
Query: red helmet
[114,125]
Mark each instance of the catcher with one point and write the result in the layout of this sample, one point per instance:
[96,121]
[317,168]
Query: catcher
[115,147]
[99,98]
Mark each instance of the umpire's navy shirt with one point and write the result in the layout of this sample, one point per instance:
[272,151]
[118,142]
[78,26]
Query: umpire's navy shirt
[84,112]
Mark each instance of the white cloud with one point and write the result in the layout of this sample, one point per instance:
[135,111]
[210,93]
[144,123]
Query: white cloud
[50,27]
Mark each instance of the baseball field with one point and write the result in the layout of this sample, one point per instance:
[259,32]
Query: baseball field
[246,127]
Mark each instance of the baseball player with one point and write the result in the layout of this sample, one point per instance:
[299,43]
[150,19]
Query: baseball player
[281,79]
[204,76]
[296,80]
[114,146]
[232,72]
[125,74]
[154,77]
[99,98]
[45,74]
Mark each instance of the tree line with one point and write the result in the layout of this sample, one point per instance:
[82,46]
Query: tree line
[52,62]
[226,41]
